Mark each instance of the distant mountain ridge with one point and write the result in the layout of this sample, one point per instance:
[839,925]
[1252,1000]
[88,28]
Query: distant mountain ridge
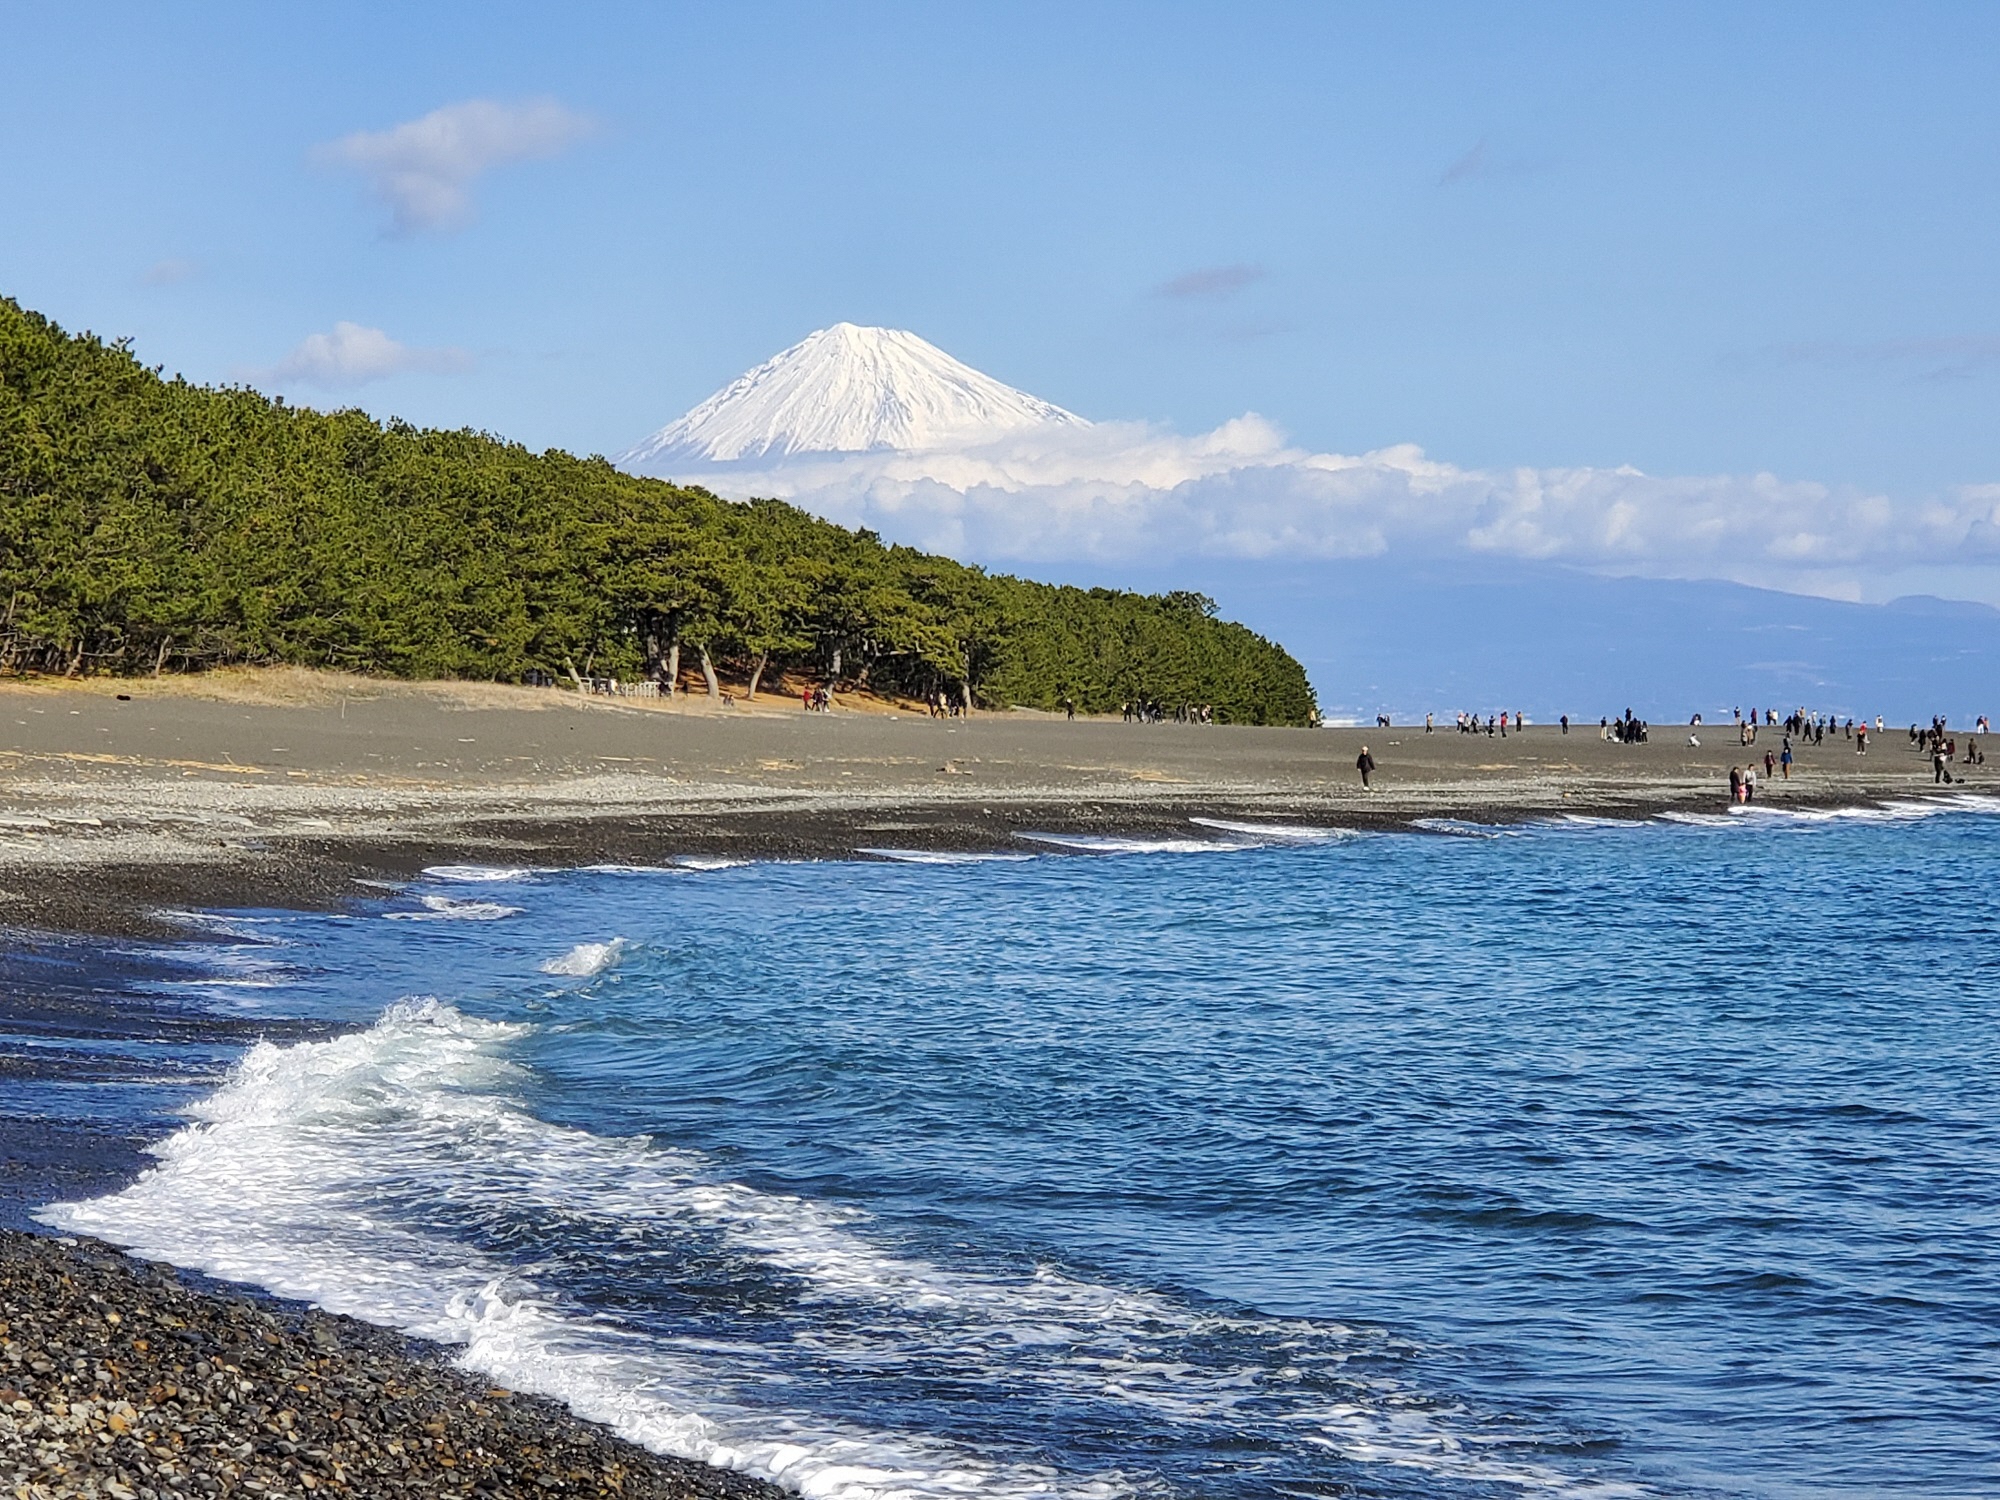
[845,389]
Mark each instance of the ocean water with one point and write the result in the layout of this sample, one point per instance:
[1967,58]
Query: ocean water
[1580,1158]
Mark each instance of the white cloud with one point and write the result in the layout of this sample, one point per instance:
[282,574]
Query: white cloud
[353,355]
[1124,492]
[424,168]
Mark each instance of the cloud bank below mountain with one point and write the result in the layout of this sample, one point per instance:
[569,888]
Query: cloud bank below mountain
[1133,493]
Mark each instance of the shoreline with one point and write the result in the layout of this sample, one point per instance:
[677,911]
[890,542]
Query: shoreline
[292,789]
[131,1380]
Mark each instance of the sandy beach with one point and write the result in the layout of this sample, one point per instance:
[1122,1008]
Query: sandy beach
[125,806]
[123,799]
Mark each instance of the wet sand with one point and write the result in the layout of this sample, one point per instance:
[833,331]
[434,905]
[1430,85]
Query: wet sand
[287,788]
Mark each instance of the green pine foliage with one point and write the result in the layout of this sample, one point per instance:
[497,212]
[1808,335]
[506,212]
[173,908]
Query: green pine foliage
[150,524]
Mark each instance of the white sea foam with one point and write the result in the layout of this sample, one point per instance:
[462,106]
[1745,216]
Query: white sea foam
[587,958]
[634,870]
[1976,802]
[449,909]
[1461,829]
[254,962]
[1701,819]
[301,1176]
[237,925]
[1301,833]
[709,862]
[335,1172]
[1895,810]
[1098,843]
[478,874]
[220,983]
[945,856]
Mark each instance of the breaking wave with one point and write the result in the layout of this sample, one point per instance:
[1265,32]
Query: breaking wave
[387,1174]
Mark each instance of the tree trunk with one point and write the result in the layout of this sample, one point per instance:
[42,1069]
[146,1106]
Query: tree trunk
[708,675]
[161,660]
[573,676]
[965,696]
[757,674]
[673,669]
[833,677]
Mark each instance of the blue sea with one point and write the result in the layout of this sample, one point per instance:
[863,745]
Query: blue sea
[1573,1158]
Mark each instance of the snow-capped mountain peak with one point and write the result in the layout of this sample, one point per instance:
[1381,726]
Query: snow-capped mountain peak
[846,389]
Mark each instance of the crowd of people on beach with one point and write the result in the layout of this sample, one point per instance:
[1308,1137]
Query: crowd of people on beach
[1471,723]
[1798,730]
[1803,725]
[1802,728]
[1942,746]
[1152,711]
[1630,730]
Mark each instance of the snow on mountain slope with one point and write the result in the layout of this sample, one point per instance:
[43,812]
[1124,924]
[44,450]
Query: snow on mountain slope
[845,389]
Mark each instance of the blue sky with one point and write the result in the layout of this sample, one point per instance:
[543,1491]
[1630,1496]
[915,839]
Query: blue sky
[1684,238]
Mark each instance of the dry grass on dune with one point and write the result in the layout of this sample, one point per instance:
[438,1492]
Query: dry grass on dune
[289,687]
[311,687]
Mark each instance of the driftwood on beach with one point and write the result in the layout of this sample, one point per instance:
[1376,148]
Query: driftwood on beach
[119,1380]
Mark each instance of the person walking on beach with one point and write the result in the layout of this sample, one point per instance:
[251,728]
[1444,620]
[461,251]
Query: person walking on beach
[1785,757]
[1770,765]
[1861,738]
[1365,764]
[1939,772]
[1750,782]
[1735,783]
[1427,723]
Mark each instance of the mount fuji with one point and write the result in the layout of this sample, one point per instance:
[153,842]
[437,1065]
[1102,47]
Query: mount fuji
[845,389]
[876,428]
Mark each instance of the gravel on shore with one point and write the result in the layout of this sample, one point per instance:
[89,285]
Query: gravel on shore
[120,1379]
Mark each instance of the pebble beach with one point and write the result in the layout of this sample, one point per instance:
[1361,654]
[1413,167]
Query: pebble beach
[120,1379]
